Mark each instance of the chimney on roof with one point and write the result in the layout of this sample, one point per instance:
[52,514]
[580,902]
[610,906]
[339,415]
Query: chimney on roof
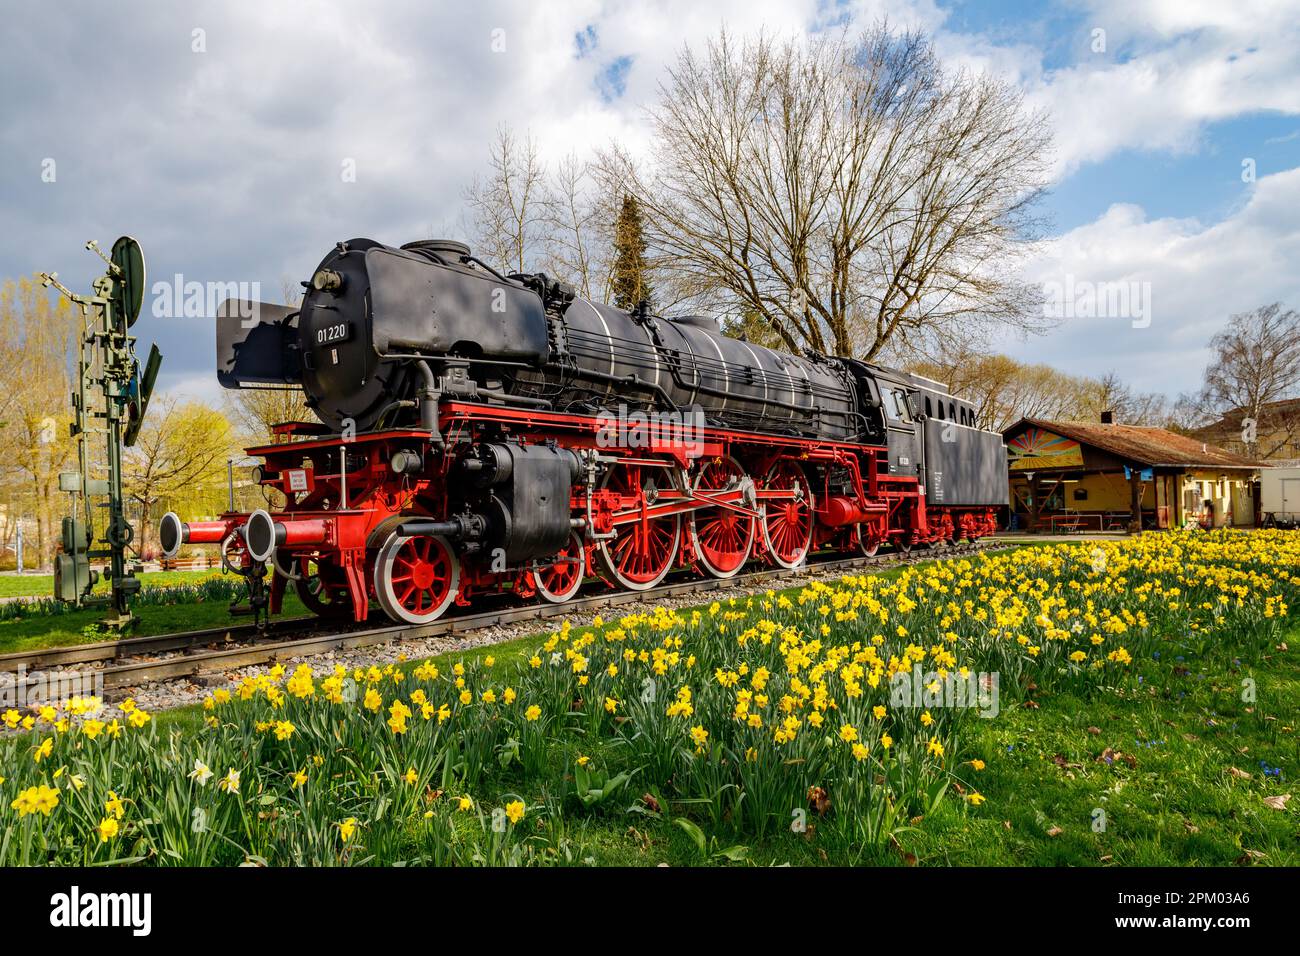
[1108,417]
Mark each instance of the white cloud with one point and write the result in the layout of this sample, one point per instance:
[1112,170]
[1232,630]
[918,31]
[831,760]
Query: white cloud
[1197,275]
[1169,67]
[226,164]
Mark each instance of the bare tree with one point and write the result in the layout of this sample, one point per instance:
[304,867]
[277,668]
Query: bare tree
[1256,362]
[848,193]
[1112,394]
[574,233]
[255,411]
[181,450]
[1003,391]
[510,207]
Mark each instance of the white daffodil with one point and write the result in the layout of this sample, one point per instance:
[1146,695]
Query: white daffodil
[200,773]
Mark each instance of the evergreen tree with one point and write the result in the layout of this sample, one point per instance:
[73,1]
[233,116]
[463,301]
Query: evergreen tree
[630,281]
[751,326]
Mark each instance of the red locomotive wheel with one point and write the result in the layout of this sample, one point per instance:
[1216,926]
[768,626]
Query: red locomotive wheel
[723,537]
[868,541]
[416,577]
[788,521]
[559,579]
[322,588]
[644,550]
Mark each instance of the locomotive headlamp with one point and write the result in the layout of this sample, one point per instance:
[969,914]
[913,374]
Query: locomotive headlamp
[171,534]
[406,462]
[327,280]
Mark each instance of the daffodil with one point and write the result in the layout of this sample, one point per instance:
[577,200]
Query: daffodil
[200,773]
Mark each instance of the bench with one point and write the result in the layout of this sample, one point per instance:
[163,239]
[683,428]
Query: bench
[186,564]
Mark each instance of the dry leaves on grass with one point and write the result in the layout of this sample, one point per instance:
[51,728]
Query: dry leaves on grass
[1277,801]
[819,800]
[1110,755]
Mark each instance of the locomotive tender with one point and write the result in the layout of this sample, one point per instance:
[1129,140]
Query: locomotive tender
[484,433]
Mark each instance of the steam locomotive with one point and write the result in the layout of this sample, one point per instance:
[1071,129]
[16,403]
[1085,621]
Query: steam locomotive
[482,433]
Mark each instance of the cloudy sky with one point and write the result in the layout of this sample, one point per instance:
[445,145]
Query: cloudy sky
[239,141]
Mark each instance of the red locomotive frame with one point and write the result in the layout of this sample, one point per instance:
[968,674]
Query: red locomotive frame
[712,501]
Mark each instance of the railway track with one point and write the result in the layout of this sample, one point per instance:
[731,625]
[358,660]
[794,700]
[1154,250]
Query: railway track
[130,662]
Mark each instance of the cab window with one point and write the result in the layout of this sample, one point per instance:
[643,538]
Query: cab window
[896,406]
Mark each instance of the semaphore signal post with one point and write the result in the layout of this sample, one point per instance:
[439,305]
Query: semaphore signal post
[111,396]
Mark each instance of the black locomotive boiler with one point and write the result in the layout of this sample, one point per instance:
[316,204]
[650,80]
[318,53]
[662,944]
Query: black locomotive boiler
[478,432]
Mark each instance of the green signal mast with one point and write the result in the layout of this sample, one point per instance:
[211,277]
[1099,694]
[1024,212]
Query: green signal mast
[109,402]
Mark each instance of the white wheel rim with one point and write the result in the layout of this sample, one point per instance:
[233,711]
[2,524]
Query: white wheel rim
[559,597]
[867,551]
[387,596]
[807,545]
[695,541]
[610,565]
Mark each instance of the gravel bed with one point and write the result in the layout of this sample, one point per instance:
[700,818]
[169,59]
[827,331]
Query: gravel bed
[163,695]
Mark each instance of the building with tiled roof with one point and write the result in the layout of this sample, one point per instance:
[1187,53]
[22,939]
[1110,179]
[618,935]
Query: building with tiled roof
[1276,431]
[1101,476]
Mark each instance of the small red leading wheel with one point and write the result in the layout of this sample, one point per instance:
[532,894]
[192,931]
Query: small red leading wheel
[416,577]
[642,550]
[558,580]
[322,587]
[868,540]
[723,537]
[787,523]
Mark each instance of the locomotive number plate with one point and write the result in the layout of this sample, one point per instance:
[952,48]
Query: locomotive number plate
[335,332]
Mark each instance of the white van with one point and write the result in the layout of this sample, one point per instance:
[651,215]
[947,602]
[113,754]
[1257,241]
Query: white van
[1279,497]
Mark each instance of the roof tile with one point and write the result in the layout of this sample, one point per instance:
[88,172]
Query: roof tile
[1141,444]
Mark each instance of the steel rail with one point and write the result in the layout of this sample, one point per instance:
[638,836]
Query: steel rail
[254,647]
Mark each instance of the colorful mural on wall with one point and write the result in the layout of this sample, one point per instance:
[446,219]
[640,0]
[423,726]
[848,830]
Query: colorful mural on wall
[1038,448]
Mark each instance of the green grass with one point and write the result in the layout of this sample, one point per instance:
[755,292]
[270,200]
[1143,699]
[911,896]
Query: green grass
[42,585]
[76,627]
[1180,804]
[1185,728]
[1170,797]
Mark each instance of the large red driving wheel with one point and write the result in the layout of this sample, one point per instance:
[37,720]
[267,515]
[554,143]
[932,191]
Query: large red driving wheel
[787,522]
[642,550]
[723,537]
[560,578]
[416,577]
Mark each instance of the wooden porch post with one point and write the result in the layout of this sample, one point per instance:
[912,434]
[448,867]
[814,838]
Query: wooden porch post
[1135,500]
[1035,505]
